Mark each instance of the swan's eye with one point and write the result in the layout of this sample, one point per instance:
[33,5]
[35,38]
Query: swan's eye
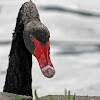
[31,37]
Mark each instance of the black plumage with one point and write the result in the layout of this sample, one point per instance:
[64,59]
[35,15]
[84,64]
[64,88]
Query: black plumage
[18,78]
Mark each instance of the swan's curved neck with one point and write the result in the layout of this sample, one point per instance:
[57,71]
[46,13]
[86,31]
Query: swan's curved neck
[18,78]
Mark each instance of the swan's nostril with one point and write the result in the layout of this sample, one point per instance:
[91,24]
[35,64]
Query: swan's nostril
[48,71]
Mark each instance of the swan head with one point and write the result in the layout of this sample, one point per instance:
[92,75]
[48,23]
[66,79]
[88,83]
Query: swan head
[36,38]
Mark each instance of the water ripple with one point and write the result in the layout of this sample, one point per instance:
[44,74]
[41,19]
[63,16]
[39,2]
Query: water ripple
[68,10]
[5,42]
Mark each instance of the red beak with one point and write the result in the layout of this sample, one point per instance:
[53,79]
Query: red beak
[42,53]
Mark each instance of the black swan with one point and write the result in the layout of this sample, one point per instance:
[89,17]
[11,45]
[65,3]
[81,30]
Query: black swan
[30,37]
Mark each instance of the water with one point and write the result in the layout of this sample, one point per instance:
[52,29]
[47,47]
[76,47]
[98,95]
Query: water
[75,45]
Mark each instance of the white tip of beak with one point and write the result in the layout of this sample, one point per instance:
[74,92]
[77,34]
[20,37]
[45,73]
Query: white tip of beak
[48,71]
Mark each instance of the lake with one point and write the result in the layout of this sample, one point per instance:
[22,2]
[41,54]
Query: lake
[75,45]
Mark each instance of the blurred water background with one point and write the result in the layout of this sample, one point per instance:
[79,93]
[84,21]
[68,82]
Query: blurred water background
[75,44]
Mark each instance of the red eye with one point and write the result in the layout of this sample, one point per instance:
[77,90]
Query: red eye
[31,37]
